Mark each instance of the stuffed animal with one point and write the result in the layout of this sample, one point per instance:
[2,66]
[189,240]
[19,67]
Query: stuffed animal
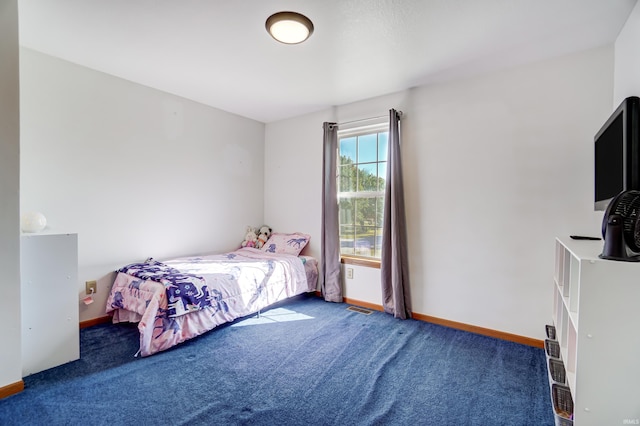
[263,235]
[250,238]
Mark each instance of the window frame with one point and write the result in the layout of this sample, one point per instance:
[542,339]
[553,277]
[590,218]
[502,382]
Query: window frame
[358,131]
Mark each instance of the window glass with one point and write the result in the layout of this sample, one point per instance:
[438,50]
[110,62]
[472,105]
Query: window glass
[361,185]
[382,175]
[348,150]
[368,177]
[382,146]
[379,212]
[368,148]
[348,179]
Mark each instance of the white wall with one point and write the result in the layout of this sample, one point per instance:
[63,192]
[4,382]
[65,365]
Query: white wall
[495,167]
[293,171]
[627,59]
[135,172]
[10,362]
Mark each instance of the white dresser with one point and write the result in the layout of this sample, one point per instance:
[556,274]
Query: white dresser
[49,301]
[597,317]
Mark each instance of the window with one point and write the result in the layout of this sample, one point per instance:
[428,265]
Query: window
[362,171]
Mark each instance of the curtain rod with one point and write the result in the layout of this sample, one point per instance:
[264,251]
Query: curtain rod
[365,119]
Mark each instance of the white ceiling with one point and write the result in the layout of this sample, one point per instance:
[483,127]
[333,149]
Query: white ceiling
[218,52]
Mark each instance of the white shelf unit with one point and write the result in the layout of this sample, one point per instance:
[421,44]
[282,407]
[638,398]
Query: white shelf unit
[49,301]
[596,312]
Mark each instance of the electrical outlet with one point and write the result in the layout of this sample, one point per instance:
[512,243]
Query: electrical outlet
[91,285]
[350,273]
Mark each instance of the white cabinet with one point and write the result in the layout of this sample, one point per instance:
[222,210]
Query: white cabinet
[49,301]
[596,312]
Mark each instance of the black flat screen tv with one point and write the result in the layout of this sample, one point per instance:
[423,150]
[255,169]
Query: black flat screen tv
[617,153]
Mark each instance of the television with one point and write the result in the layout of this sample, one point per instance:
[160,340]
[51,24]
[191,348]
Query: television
[617,153]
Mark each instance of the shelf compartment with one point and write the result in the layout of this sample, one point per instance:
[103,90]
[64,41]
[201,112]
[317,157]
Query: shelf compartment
[566,272]
[564,325]
[571,349]
[551,332]
[557,309]
[574,285]
[557,372]
[558,266]
[562,405]
[552,349]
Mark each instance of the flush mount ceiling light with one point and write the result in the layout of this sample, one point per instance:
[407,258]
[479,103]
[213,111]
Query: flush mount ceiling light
[289,27]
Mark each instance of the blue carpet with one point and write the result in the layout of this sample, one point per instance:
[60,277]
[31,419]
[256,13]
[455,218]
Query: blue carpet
[304,362]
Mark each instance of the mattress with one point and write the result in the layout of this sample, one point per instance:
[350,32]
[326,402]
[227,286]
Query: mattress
[237,284]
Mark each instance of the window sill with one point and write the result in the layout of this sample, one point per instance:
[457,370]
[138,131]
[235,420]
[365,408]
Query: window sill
[360,261]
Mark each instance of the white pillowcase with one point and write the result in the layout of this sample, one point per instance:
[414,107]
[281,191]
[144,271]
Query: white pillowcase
[286,243]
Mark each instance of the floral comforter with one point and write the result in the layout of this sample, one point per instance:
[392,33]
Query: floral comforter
[234,285]
[185,292]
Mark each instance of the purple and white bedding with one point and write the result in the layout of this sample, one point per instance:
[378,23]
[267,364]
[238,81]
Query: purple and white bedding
[176,300]
[185,292]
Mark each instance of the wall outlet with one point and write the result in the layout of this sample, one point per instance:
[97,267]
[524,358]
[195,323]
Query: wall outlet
[91,285]
[350,273]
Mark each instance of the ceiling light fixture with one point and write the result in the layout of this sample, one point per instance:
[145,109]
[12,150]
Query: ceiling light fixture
[289,27]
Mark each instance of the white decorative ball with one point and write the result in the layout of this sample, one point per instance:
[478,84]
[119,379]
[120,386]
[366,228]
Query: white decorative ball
[33,222]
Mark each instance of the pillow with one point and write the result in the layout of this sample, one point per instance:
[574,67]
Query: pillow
[286,243]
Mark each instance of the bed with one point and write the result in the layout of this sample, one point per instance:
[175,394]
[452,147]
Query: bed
[176,300]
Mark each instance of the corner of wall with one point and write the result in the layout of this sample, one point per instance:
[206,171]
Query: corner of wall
[11,371]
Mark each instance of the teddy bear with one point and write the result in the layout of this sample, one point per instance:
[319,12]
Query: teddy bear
[250,238]
[263,235]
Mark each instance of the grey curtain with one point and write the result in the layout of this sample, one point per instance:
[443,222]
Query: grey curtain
[331,283]
[394,265]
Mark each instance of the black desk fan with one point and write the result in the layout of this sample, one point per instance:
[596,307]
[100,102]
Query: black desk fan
[621,227]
